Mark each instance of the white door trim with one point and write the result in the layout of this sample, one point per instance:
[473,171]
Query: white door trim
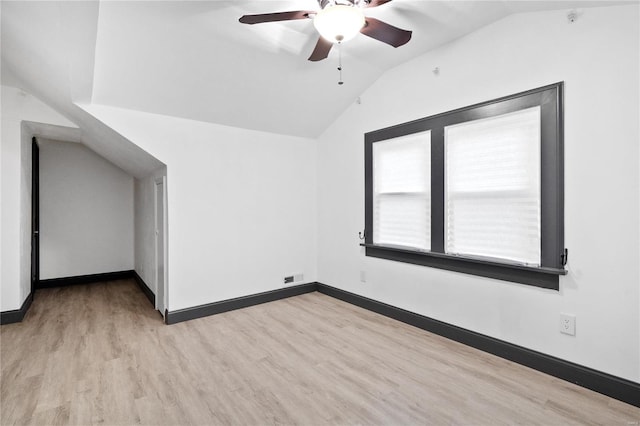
[161,303]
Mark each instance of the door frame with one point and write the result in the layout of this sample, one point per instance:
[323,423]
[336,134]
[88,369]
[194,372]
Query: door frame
[161,304]
[35,215]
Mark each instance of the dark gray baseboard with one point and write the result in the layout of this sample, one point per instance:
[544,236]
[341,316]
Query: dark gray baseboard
[145,288]
[10,317]
[173,317]
[607,384]
[84,279]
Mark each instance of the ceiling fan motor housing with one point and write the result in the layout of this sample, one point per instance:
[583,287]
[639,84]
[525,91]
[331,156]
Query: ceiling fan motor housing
[358,3]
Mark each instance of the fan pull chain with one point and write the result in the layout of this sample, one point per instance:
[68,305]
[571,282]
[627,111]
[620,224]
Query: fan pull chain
[340,82]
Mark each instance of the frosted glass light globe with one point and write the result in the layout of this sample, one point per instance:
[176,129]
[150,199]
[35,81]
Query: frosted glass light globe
[339,23]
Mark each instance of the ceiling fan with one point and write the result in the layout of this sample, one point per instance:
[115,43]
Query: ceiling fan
[338,21]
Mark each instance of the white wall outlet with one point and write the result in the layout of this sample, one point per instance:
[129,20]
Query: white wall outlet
[298,277]
[568,324]
[363,277]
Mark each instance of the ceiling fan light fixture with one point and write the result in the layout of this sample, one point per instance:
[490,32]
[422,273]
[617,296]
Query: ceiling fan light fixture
[339,23]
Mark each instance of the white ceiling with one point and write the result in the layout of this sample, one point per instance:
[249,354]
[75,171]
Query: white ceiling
[195,60]
[48,50]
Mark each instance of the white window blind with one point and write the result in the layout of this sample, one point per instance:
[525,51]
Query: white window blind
[492,187]
[402,191]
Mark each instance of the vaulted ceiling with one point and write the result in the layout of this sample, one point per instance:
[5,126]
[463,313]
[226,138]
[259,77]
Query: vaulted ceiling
[195,60]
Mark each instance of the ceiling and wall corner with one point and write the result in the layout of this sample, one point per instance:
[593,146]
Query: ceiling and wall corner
[194,60]
[48,50]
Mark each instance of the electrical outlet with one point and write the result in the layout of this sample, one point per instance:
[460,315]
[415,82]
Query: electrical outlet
[568,324]
[363,277]
[288,279]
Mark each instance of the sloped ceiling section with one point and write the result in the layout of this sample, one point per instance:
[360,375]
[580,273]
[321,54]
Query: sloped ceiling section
[194,60]
[48,49]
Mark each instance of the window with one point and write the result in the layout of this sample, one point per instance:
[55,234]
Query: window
[492,187]
[477,190]
[401,191]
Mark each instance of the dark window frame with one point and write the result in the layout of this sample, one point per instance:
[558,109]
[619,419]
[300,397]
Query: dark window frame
[552,258]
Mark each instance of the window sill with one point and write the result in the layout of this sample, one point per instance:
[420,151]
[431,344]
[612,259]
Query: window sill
[543,277]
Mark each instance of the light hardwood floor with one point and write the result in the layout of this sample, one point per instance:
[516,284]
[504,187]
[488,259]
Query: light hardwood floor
[99,354]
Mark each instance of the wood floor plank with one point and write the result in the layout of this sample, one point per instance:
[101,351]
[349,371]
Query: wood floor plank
[99,354]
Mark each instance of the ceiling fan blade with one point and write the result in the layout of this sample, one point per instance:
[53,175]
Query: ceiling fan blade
[376,3]
[385,33]
[321,50]
[274,17]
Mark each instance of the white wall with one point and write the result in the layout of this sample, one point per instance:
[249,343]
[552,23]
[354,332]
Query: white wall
[241,204]
[144,206]
[15,192]
[86,212]
[598,58]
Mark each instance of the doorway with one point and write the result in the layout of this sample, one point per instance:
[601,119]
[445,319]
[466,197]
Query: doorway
[35,215]
[160,244]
